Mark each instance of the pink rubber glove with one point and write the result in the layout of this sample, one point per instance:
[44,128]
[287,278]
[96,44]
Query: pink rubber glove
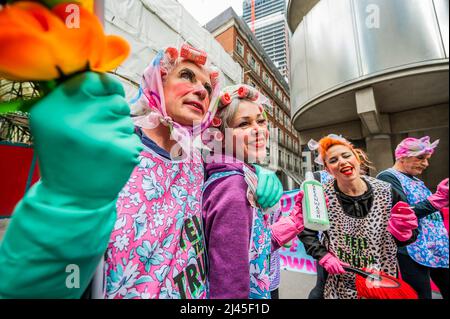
[327,202]
[332,264]
[439,199]
[402,222]
[287,227]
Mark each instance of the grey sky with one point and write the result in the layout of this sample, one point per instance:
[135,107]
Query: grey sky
[205,10]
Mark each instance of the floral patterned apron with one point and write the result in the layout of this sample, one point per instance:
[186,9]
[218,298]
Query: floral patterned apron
[431,247]
[157,247]
[260,244]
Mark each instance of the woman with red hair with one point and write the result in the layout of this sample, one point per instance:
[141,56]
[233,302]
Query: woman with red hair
[367,221]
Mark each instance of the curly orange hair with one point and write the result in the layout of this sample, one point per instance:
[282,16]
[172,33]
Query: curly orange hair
[327,142]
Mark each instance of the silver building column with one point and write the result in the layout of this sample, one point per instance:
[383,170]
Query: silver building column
[379,150]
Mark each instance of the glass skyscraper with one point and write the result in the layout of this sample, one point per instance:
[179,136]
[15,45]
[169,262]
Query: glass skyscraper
[271,30]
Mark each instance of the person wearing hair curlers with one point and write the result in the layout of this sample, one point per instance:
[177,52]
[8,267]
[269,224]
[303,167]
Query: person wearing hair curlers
[368,221]
[157,246]
[428,256]
[239,234]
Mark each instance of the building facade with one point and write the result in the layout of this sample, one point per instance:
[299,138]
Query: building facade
[374,71]
[259,71]
[270,27]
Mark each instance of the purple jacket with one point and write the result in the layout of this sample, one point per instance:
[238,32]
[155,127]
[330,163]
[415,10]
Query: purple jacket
[228,219]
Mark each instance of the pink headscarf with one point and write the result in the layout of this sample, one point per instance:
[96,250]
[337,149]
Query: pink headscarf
[149,107]
[411,146]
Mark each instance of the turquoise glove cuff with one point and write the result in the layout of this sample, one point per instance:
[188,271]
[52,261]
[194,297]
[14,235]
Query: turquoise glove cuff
[43,239]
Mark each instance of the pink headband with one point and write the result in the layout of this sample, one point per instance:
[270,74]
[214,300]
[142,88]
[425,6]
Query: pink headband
[411,146]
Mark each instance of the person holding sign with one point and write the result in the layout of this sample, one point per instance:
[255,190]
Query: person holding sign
[239,236]
[367,221]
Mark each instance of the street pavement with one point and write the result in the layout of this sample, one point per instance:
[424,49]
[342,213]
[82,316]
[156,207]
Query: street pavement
[294,285]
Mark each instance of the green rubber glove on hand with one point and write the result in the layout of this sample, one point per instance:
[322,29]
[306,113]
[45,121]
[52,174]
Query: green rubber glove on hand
[84,139]
[270,189]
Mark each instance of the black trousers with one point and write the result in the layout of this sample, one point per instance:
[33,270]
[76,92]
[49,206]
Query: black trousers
[418,276]
[274,294]
[317,291]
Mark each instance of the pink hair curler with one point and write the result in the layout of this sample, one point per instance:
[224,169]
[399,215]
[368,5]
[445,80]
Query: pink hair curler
[172,54]
[192,54]
[245,92]
[216,122]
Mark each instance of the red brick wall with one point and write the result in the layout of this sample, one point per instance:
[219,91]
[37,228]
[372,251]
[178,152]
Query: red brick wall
[227,39]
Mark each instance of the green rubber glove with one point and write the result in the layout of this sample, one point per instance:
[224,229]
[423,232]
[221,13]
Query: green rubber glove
[85,140]
[60,230]
[270,189]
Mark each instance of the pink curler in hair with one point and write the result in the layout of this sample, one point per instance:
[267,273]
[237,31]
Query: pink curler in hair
[216,122]
[248,93]
[172,54]
[214,76]
[192,54]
